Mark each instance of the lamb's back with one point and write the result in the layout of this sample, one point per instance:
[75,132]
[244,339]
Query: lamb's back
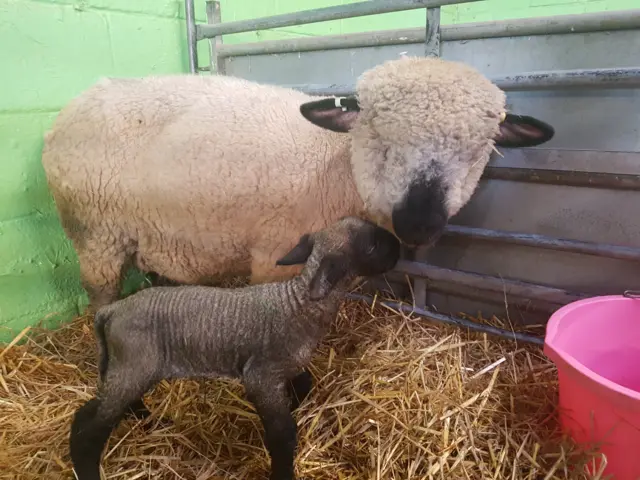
[194,328]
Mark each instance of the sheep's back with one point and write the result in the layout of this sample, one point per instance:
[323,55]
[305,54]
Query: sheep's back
[182,147]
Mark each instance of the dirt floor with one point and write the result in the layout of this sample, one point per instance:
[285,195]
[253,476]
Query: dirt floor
[396,398]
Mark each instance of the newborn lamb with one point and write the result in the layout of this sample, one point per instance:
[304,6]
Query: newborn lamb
[263,334]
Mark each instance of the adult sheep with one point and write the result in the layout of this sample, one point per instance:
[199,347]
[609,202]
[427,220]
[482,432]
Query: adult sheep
[200,177]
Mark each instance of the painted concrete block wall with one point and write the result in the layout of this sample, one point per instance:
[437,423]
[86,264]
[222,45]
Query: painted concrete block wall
[482,11]
[51,50]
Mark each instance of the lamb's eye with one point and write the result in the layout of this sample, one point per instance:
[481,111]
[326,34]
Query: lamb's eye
[370,250]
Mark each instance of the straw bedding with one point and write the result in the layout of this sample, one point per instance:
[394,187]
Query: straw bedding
[395,398]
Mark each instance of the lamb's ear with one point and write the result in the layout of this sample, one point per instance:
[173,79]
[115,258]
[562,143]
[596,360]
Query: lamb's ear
[298,254]
[330,272]
[337,114]
[522,131]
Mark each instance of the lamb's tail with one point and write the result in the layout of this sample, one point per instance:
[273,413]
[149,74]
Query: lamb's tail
[100,320]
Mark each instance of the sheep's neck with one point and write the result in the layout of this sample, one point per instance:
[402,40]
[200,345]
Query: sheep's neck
[335,181]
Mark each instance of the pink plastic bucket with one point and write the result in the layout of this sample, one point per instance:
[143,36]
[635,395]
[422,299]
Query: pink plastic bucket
[595,344]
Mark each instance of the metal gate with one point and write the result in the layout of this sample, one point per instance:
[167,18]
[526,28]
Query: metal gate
[547,225]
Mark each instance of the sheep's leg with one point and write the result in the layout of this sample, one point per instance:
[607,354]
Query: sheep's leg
[136,409]
[268,392]
[122,387]
[101,255]
[299,387]
[101,274]
[90,431]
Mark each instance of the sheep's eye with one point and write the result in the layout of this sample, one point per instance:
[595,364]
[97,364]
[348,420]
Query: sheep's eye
[370,250]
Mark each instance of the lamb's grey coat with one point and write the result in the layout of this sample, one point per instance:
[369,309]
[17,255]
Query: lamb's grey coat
[264,334]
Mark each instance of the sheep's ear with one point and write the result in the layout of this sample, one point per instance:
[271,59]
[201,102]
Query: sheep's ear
[330,272]
[522,131]
[337,114]
[298,254]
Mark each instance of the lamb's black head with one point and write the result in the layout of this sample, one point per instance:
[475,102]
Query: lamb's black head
[349,248]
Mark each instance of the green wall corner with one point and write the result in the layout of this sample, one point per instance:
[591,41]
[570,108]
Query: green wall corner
[50,52]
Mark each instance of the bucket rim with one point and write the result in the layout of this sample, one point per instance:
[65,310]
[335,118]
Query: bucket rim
[550,348]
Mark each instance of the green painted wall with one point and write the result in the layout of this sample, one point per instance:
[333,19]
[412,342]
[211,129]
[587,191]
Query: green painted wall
[51,50]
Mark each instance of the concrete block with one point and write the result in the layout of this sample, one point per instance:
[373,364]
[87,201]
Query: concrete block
[23,186]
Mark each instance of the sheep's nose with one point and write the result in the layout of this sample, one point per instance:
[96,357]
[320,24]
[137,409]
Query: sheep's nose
[420,219]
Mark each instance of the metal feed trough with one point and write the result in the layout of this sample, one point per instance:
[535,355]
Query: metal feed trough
[547,225]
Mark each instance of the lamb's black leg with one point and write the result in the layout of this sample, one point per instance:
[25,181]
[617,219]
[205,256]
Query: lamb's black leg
[299,387]
[123,386]
[268,392]
[90,430]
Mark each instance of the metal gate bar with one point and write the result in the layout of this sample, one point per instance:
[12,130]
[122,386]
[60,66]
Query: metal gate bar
[192,41]
[570,178]
[450,320]
[566,24]
[216,62]
[196,32]
[360,9]
[487,282]
[431,49]
[618,252]
[495,298]
[592,78]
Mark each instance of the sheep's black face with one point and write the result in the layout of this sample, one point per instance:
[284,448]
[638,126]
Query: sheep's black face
[421,216]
